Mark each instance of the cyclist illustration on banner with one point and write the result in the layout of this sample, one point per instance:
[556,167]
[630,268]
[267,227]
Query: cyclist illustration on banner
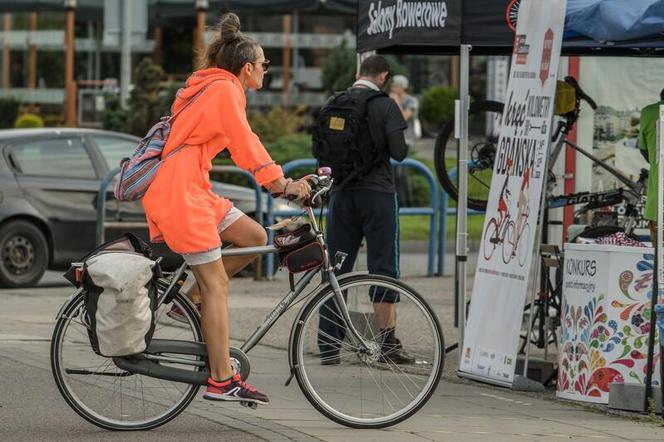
[504,231]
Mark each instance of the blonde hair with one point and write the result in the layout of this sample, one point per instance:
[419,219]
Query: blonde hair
[231,49]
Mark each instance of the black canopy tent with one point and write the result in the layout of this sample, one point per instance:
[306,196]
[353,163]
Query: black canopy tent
[486,27]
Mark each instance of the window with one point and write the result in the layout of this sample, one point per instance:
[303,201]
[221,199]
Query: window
[59,157]
[114,149]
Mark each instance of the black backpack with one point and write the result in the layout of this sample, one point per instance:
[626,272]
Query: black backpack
[341,137]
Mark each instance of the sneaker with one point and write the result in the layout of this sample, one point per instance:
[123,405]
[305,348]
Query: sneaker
[392,351]
[234,389]
[176,313]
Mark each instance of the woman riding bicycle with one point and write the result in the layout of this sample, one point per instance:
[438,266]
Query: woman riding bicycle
[180,206]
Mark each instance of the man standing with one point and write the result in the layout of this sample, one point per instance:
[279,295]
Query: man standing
[364,204]
[648,146]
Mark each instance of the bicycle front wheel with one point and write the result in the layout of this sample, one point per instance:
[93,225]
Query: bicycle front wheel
[484,119]
[373,388]
[112,398]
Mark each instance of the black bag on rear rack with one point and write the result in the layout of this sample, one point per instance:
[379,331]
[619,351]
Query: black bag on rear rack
[119,279]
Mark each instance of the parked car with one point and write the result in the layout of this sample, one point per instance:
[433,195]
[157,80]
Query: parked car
[49,182]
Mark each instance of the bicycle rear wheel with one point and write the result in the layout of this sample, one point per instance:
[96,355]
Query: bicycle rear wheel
[484,119]
[367,389]
[112,398]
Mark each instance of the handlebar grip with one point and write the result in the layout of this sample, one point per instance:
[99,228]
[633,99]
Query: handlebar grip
[281,195]
[575,84]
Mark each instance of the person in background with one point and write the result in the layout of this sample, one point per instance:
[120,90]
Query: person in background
[408,105]
[366,207]
[648,146]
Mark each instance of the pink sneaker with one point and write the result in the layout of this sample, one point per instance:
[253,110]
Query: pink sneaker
[234,389]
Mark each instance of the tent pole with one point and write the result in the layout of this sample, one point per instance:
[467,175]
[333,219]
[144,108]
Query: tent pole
[463,105]
[125,54]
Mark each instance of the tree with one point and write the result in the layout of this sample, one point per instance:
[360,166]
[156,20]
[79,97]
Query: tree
[145,103]
[148,101]
[340,66]
[339,69]
[8,112]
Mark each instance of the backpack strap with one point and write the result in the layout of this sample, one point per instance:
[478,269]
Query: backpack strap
[190,101]
[171,119]
[364,97]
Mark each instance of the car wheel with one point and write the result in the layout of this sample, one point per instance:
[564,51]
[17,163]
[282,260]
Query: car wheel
[23,254]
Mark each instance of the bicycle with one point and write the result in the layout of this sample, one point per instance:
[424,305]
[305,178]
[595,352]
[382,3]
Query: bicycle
[145,391]
[483,128]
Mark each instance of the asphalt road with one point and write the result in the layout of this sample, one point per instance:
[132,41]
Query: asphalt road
[31,409]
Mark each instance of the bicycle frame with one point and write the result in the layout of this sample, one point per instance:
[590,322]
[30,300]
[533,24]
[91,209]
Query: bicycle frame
[146,364]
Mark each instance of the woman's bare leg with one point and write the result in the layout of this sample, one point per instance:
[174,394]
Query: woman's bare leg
[213,284]
[245,232]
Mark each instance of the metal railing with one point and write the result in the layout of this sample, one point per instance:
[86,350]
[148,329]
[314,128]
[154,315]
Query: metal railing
[37,95]
[432,211]
[258,213]
[446,211]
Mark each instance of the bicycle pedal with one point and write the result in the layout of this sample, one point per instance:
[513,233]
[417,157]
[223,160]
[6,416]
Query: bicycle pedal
[252,405]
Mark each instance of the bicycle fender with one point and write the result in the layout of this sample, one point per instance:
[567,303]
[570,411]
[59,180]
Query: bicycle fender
[67,303]
[320,289]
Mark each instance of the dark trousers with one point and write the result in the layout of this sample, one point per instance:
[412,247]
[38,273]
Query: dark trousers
[354,215]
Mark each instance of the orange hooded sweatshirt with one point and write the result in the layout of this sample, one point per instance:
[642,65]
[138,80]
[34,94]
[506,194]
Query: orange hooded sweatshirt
[180,206]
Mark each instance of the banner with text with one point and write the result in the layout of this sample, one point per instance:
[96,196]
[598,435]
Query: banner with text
[506,250]
[385,23]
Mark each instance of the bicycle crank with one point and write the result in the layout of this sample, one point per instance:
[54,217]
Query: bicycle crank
[240,363]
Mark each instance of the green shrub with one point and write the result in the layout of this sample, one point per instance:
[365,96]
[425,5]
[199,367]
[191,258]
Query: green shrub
[290,147]
[8,112]
[28,121]
[277,123]
[287,148]
[437,105]
[53,120]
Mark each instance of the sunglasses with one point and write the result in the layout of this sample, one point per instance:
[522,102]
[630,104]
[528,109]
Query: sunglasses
[265,64]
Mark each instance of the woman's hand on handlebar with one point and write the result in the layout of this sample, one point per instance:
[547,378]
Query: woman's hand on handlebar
[297,189]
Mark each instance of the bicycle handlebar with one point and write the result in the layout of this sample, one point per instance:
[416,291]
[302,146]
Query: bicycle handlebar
[579,92]
[320,185]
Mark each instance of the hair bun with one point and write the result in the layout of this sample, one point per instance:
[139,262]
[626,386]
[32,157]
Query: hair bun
[229,27]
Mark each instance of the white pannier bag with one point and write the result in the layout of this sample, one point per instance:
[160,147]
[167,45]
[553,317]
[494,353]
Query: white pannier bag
[122,320]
